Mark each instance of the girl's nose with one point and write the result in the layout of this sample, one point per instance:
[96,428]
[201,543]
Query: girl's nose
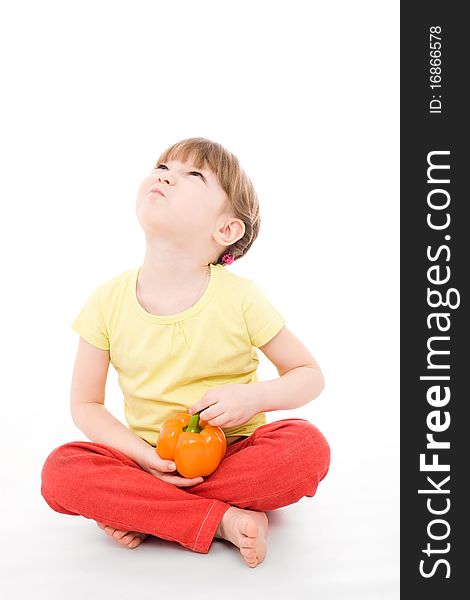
[165,177]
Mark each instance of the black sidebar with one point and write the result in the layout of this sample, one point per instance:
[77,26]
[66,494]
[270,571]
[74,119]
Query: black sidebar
[434,300]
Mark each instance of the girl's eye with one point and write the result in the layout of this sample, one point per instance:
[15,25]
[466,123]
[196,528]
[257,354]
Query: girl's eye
[162,166]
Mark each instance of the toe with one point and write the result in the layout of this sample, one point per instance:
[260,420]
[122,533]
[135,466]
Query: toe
[119,534]
[125,539]
[251,557]
[252,561]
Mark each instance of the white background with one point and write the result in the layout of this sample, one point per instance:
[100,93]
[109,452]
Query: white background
[306,95]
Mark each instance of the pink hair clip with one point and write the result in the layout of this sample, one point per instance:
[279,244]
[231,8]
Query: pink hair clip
[227,259]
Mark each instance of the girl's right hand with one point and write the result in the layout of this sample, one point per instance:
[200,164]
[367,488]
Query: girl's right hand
[151,462]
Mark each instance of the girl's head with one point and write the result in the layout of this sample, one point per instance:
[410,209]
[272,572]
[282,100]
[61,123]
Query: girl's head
[210,203]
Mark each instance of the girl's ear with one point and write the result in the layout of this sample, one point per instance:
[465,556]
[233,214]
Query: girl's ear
[230,232]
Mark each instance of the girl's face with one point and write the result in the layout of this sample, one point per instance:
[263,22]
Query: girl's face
[180,200]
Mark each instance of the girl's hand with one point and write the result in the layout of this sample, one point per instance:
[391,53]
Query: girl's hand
[227,405]
[151,462]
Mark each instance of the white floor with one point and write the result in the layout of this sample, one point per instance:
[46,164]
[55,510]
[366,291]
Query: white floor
[340,544]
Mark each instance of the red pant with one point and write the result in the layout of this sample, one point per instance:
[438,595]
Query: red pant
[275,466]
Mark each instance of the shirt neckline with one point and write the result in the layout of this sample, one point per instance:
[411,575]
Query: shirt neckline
[185,314]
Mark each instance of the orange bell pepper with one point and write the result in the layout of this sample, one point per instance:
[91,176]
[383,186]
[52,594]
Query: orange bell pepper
[195,447]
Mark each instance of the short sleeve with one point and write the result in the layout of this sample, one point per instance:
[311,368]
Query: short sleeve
[90,324]
[262,319]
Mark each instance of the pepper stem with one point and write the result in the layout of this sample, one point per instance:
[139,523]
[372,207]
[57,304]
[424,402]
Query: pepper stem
[193,425]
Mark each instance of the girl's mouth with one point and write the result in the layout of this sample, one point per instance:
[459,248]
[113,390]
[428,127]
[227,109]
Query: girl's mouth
[157,191]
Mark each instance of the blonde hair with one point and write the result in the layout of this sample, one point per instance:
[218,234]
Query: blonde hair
[233,180]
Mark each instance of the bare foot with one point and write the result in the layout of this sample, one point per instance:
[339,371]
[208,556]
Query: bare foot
[131,539]
[248,530]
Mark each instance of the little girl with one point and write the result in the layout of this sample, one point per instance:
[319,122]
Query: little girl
[182,331]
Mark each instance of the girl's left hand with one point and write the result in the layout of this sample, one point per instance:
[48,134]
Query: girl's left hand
[227,405]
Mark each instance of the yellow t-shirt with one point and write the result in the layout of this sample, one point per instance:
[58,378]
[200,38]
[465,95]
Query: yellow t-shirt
[166,363]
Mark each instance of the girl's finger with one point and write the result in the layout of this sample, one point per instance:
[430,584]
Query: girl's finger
[183,482]
[213,414]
